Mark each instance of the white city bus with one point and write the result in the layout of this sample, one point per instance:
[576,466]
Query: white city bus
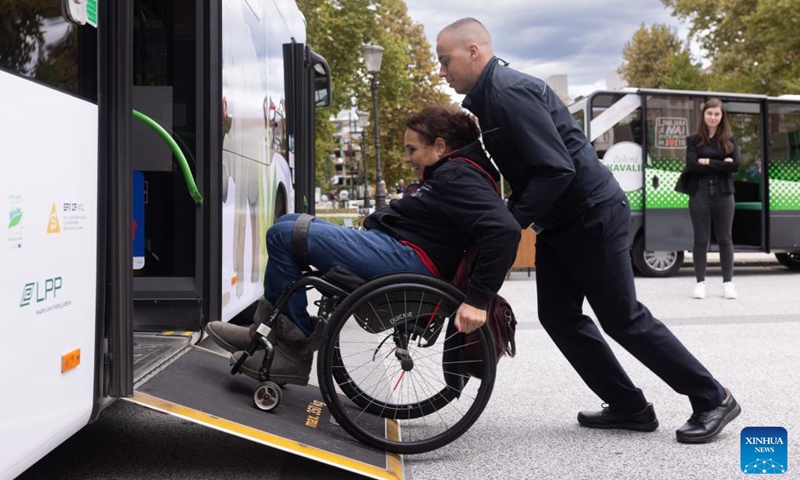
[146,147]
[640,134]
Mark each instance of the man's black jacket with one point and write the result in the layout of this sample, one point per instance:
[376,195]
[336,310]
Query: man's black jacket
[553,170]
[455,207]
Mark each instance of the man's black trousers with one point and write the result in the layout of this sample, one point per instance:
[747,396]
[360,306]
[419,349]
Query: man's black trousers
[589,258]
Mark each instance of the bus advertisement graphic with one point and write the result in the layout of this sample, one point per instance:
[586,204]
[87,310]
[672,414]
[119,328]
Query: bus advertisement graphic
[671,132]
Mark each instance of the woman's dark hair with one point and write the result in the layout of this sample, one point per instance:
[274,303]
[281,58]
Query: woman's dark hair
[724,132]
[457,128]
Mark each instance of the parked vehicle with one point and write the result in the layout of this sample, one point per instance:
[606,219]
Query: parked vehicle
[640,134]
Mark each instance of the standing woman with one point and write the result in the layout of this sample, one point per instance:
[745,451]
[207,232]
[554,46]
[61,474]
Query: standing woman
[712,157]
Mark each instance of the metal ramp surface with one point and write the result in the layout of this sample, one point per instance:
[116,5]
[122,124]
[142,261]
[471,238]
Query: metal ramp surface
[196,385]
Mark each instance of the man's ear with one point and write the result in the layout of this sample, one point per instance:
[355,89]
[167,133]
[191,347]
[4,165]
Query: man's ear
[474,50]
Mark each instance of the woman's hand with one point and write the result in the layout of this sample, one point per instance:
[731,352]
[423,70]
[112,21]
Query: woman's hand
[469,318]
[729,159]
[703,161]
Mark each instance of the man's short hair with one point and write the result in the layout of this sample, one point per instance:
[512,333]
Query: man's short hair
[471,25]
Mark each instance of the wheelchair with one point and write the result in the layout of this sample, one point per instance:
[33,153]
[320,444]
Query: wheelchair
[392,367]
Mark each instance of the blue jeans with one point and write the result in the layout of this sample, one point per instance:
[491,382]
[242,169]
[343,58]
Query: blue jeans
[367,253]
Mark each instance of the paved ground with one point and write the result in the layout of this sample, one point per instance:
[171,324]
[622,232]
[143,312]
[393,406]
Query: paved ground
[529,428]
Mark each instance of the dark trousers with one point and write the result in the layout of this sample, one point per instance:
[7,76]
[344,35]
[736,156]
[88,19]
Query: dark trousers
[706,205]
[589,258]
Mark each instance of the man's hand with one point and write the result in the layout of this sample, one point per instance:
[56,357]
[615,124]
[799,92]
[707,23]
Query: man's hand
[469,318]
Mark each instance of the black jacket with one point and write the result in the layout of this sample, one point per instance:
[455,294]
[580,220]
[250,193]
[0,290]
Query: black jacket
[455,207]
[552,167]
[718,168]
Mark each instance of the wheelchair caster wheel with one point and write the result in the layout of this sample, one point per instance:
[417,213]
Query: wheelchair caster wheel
[267,396]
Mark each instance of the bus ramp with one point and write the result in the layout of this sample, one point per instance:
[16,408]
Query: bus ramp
[197,385]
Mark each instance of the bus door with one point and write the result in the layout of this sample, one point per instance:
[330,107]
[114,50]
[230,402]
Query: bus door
[51,276]
[670,119]
[617,131]
[746,117]
[781,175]
[170,153]
[306,71]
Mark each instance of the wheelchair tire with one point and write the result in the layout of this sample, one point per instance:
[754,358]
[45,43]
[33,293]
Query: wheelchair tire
[391,365]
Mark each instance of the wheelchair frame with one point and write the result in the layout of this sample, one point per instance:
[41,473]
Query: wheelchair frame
[408,429]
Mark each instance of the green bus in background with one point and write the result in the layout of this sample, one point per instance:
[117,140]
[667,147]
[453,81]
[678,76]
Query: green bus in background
[640,134]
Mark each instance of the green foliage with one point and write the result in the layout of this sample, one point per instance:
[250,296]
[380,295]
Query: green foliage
[683,74]
[753,44]
[408,79]
[656,58]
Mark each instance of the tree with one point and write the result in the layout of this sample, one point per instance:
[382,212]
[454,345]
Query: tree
[683,73]
[337,30]
[752,43]
[657,58]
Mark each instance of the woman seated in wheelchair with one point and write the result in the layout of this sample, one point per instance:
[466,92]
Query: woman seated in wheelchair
[454,206]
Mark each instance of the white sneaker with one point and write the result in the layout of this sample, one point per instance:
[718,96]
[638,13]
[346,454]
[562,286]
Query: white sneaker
[729,290]
[699,290]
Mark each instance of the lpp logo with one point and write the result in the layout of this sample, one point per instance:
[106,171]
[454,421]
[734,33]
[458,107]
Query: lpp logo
[41,291]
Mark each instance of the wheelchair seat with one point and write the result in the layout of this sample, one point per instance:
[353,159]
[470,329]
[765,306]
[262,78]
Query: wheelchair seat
[343,278]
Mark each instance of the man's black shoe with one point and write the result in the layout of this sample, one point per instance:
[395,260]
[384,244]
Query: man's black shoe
[644,421]
[704,426]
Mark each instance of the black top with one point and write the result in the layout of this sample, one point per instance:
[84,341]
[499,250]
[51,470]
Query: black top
[455,207]
[717,169]
[552,167]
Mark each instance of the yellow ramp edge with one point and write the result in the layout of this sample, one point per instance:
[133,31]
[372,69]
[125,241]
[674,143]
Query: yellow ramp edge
[394,463]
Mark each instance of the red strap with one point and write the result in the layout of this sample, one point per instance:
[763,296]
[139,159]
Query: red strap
[426,260]
[496,189]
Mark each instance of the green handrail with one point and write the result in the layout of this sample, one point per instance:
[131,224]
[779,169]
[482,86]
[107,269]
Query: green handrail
[187,173]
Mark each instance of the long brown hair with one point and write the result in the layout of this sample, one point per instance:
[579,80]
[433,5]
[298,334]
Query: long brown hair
[724,132]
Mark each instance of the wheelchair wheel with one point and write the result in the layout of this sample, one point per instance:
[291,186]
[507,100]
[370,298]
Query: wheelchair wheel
[394,371]
[267,396]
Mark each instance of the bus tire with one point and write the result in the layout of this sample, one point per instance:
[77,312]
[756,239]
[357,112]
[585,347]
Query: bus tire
[790,260]
[280,203]
[655,264]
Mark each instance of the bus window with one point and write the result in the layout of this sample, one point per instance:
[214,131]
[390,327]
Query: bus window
[745,121]
[580,118]
[322,81]
[627,129]
[670,119]
[42,45]
[783,153]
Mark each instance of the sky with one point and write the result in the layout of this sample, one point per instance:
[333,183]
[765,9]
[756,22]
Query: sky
[582,39]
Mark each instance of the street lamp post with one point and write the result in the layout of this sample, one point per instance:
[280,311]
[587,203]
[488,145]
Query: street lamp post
[363,120]
[373,54]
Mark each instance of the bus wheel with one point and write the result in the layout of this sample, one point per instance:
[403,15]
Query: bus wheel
[280,204]
[790,260]
[655,264]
